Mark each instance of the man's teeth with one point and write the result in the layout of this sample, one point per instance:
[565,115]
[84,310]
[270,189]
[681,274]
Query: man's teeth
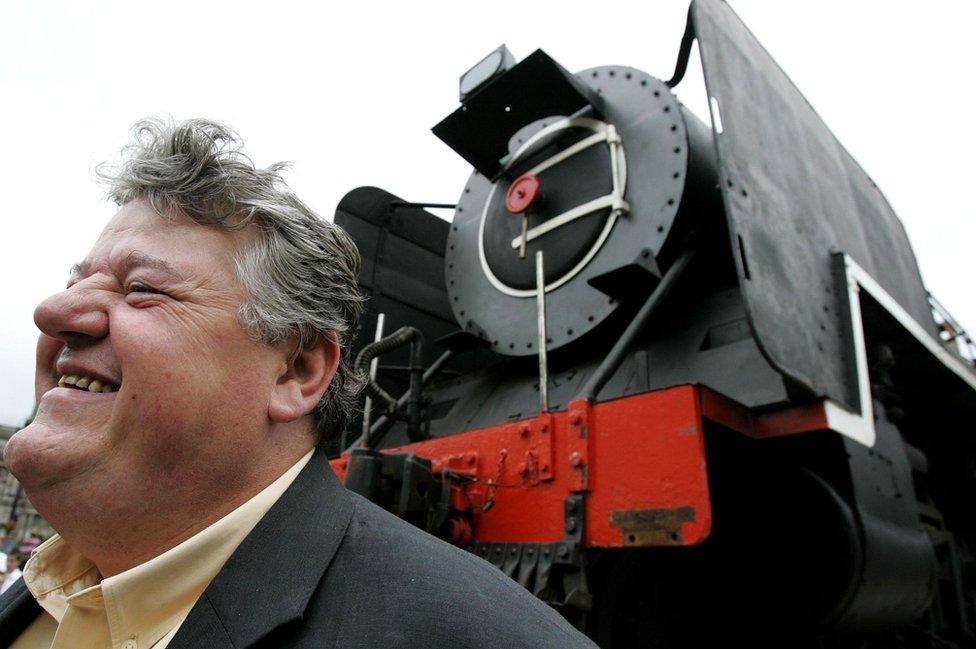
[87,383]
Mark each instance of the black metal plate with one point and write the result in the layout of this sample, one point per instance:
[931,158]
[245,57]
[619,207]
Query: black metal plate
[793,196]
[535,88]
[403,268]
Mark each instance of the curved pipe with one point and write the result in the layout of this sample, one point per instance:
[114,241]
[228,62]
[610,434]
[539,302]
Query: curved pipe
[382,425]
[397,339]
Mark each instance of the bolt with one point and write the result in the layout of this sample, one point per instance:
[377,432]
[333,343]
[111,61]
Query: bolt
[575,417]
[575,459]
[570,524]
[471,460]
[522,468]
[545,428]
[545,466]
[524,431]
[563,551]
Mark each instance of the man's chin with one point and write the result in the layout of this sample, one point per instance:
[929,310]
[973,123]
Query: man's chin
[41,456]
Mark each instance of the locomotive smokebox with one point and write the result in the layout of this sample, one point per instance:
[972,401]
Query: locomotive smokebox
[624,172]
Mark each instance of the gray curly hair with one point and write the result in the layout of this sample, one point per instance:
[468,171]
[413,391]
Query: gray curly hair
[300,278]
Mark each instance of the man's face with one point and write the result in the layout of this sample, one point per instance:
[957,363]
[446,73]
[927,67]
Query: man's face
[152,315]
[12,562]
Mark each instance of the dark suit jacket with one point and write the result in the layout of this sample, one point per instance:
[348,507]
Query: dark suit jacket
[326,568]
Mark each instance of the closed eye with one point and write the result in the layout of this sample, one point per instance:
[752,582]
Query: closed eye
[138,288]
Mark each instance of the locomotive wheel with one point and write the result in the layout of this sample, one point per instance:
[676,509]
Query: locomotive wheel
[637,608]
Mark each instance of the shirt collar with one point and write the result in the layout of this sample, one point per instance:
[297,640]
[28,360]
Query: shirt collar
[149,600]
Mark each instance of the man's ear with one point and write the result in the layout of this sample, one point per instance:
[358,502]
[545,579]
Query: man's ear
[304,379]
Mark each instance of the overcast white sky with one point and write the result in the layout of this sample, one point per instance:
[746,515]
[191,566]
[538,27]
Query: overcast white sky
[349,93]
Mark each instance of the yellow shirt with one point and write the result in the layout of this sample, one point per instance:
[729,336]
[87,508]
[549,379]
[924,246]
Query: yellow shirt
[143,607]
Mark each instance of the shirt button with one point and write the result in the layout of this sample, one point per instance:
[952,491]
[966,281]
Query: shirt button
[129,644]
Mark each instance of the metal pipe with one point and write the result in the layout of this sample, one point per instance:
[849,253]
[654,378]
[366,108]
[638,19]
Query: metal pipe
[613,360]
[373,364]
[415,394]
[379,428]
[443,206]
[397,339]
[540,305]
[684,52]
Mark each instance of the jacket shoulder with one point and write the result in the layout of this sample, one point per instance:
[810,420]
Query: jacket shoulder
[392,584]
[18,609]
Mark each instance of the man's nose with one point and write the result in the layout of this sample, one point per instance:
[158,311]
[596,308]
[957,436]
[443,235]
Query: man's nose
[75,315]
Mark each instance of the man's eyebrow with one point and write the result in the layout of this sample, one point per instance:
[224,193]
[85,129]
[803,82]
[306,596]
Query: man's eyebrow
[134,259]
[137,259]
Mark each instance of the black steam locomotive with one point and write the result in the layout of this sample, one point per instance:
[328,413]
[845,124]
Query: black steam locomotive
[682,382]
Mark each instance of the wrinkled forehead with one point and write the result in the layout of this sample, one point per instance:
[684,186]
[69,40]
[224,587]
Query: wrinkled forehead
[171,243]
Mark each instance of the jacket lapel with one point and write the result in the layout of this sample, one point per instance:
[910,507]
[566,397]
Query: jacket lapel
[18,609]
[270,578]
[202,628]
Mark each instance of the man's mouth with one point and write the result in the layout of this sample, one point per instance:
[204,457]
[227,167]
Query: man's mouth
[86,383]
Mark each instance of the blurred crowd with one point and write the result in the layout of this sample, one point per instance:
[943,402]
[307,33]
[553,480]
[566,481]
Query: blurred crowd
[12,559]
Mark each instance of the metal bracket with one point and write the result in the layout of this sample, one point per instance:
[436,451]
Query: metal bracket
[553,572]
[578,446]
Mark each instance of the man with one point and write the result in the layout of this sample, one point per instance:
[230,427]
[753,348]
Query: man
[11,570]
[185,377]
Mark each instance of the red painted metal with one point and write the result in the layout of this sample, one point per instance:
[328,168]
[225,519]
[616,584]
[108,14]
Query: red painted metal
[339,466]
[522,193]
[578,447]
[640,461]
[777,423]
[647,456]
[790,421]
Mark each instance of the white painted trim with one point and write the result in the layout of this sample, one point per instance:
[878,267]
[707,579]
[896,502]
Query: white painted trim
[555,222]
[618,171]
[947,358]
[568,152]
[859,426]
